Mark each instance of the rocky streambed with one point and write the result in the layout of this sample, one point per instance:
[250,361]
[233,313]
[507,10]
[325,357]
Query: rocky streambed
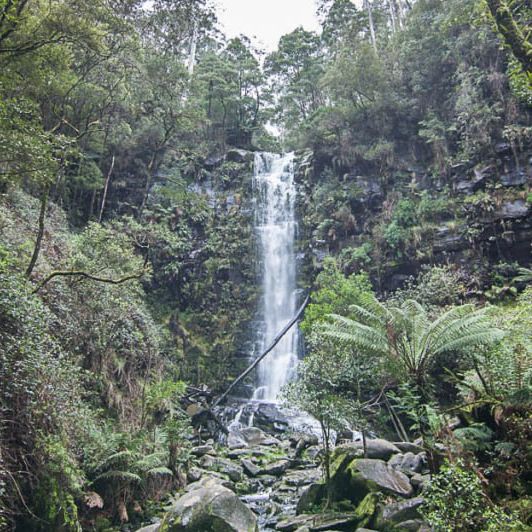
[262,480]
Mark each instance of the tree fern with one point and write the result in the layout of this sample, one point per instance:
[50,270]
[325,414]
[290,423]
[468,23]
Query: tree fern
[408,337]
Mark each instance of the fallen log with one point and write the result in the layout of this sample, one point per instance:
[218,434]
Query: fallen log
[270,347]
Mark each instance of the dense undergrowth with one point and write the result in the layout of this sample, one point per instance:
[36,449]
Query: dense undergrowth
[127,262]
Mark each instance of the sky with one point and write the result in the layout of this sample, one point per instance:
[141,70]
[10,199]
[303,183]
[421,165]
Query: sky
[267,20]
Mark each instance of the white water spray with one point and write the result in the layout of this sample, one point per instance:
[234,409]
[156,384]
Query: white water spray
[276,226]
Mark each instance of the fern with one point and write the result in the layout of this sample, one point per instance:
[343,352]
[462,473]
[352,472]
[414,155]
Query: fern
[160,472]
[115,460]
[121,477]
[152,461]
[407,335]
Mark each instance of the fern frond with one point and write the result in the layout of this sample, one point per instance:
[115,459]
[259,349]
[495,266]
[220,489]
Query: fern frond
[159,472]
[114,460]
[117,476]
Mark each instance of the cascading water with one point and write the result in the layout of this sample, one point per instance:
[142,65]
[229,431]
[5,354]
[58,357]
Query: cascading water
[276,226]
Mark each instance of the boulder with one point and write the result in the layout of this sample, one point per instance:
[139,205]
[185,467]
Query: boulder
[250,468]
[314,451]
[393,514]
[408,463]
[270,417]
[311,497]
[225,467]
[407,447]
[420,482]
[354,478]
[202,450]
[302,477]
[210,508]
[207,482]
[194,474]
[378,448]
[256,436]
[236,441]
[276,468]
[150,528]
[315,523]
[367,472]
[413,525]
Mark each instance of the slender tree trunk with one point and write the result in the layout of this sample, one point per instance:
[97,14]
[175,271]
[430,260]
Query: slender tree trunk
[40,232]
[192,53]
[105,188]
[391,8]
[91,206]
[364,444]
[327,462]
[148,184]
[367,5]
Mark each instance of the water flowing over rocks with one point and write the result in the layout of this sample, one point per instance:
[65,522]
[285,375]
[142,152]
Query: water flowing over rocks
[274,481]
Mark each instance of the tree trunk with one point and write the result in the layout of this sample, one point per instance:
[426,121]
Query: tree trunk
[391,8]
[192,52]
[367,5]
[148,184]
[327,463]
[105,189]
[513,35]
[40,232]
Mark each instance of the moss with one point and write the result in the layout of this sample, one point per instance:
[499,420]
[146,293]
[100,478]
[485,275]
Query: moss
[366,510]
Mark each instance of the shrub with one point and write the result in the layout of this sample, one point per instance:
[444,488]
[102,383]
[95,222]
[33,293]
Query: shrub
[455,502]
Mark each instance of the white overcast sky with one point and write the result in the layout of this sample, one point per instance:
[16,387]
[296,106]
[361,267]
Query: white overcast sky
[267,20]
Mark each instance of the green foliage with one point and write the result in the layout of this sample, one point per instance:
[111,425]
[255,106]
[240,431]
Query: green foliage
[335,293]
[436,286]
[407,337]
[505,370]
[39,396]
[329,388]
[455,501]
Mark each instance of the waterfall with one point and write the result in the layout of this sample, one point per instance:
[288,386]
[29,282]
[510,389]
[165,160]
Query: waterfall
[276,226]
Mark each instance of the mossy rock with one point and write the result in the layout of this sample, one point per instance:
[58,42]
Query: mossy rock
[354,478]
[311,498]
[366,511]
[214,508]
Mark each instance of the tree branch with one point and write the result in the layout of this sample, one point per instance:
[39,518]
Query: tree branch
[256,362]
[89,276]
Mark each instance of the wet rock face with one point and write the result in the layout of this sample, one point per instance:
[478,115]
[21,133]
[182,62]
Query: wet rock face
[239,156]
[513,209]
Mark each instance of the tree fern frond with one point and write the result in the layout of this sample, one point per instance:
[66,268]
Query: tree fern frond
[468,341]
[151,460]
[361,335]
[159,472]
[112,461]
[117,476]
